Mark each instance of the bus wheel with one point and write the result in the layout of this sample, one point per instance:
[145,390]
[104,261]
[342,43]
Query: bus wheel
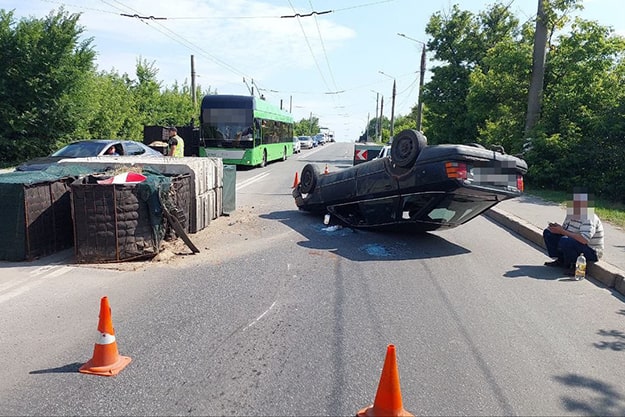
[406,147]
[308,182]
[284,154]
[263,163]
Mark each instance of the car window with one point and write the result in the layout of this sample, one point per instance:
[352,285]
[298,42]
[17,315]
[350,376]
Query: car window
[458,209]
[80,150]
[133,148]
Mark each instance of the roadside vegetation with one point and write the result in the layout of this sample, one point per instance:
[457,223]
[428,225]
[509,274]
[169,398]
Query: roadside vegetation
[477,92]
[608,211]
[51,93]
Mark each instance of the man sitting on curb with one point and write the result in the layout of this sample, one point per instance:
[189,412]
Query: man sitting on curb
[581,232]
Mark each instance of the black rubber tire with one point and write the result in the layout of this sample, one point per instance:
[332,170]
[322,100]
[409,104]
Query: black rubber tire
[263,163]
[310,175]
[284,154]
[406,147]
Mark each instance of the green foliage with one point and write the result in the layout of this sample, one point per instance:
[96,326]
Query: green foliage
[463,42]
[478,93]
[45,71]
[51,94]
[307,127]
[583,105]
[497,93]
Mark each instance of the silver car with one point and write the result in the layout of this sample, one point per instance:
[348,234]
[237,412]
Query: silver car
[306,142]
[89,148]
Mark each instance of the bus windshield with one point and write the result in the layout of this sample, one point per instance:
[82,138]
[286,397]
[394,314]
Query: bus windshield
[227,127]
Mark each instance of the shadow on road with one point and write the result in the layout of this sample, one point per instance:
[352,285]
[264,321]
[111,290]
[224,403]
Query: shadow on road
[536,272]
[604,399]
[65,369]
[364,245]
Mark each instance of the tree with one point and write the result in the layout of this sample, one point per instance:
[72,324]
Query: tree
[582,124]
[497,93]
[307,127]
[45,69]
[547,21]
[460,41]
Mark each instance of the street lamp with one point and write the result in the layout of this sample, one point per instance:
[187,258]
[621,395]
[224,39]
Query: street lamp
[378,131]
[392,102]
[421,76]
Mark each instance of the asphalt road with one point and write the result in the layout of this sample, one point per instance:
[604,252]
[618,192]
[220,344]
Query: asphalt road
[279,315]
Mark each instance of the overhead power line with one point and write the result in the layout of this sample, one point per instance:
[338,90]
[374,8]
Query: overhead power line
[306,14]
[142,17]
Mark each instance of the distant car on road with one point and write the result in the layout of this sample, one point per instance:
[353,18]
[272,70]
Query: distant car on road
[297,147]
[90,148]
[418,188]
[320,138]
[306,142]
[384,152]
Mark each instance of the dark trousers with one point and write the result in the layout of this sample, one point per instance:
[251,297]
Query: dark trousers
[567,249]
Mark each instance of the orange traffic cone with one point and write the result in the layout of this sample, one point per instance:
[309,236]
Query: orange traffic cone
[388,398]
[106,360]
[295,181]
[326,171]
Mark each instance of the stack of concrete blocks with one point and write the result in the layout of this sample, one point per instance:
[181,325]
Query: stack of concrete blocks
[206,174]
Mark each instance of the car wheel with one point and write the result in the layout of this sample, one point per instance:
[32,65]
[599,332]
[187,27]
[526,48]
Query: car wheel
[308,182]
[406,147]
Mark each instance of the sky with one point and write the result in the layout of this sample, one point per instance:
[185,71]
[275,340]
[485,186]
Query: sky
[330,59]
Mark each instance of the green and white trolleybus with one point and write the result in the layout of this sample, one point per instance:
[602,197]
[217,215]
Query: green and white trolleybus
[244,130]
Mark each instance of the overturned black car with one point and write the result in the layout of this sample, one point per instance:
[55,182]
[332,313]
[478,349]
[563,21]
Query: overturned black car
[419,187]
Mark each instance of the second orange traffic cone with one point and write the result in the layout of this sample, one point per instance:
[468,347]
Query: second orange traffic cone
[106,360]
[326,171]
[295,181]
[388,400]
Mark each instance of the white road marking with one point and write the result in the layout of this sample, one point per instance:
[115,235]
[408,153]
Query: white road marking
[261,316]
[252,180]
[16,287]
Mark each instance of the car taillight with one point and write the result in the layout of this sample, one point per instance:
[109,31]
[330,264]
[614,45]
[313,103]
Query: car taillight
[456,170]
[519,182]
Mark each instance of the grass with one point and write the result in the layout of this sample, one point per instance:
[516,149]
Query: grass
[608,211]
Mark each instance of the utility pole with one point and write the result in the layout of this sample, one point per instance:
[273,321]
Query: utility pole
[420,105]
[392,102]
[393,109]
[381,115]
[193,98]
[538,70]
[421,79]
[377,118]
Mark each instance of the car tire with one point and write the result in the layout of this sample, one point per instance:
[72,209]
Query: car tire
[406,147]
[310,175]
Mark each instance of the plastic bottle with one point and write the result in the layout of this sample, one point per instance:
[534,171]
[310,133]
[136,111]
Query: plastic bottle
[580,267]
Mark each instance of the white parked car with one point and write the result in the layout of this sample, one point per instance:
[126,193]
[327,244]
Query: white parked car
[297,147]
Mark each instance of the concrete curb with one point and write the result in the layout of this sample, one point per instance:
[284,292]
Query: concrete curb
[607,274]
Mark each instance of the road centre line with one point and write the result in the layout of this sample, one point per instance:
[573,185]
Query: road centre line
[252,180]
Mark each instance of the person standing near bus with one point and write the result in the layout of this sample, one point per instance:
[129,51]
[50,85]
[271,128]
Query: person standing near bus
[176,143]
